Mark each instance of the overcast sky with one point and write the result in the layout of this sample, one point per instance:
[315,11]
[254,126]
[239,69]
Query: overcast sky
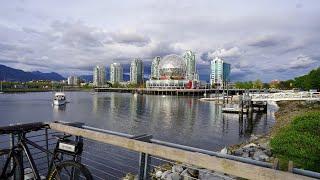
[261,39]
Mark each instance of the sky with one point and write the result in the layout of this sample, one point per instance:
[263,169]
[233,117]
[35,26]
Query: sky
[265,39]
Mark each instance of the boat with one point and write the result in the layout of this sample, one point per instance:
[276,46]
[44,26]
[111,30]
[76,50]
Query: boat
[59,99]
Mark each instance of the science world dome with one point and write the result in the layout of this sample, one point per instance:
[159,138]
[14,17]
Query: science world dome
[172,67]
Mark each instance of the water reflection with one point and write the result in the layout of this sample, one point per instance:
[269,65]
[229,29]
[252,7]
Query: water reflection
[183,120]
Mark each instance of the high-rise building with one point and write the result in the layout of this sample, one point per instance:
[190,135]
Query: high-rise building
[136,71]
[155,68]
[73,80]
[190,60]
[99,75]
[116,73]
[220,72]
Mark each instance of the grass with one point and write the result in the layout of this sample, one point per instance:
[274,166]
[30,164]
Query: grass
[299,141]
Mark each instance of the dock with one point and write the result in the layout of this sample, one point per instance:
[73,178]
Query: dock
[175,92]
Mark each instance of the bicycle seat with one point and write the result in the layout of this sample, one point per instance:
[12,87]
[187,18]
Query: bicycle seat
[22,128]
[61,136]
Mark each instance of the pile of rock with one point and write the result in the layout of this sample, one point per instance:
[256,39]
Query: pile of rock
[259,152]
[182,172]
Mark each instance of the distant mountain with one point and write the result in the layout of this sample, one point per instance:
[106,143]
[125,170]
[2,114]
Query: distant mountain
[11,74]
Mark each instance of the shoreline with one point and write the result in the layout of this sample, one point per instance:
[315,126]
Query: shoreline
[8,91]
[285,114]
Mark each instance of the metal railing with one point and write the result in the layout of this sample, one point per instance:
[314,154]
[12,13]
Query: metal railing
[115,160]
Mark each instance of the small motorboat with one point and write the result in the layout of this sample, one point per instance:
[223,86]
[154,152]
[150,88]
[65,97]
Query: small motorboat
[59,99]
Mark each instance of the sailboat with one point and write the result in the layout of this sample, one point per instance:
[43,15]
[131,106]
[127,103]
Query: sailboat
[1,92]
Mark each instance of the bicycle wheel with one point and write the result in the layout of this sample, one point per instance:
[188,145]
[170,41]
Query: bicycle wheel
[13,170]
[70,170]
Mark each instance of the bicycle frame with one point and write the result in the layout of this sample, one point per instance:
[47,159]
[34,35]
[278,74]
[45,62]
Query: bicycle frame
[22,146]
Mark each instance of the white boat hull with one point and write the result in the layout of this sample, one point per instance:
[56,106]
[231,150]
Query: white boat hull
[59,102]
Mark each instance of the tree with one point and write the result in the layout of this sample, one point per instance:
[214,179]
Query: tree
[258,84]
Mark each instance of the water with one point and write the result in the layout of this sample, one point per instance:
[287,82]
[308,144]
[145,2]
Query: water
[183,120]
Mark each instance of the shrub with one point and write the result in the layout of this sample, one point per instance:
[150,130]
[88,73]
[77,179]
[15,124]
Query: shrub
[300,141]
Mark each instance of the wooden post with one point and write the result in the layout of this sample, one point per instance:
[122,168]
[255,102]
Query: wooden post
[290,166]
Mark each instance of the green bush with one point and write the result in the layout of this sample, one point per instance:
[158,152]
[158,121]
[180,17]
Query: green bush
[300,142]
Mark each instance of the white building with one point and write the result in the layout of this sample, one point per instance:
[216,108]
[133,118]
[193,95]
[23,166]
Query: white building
[190,60]
[220,72]
[99,75]
[116,73]
[172,74]
[73,80]
[136,71]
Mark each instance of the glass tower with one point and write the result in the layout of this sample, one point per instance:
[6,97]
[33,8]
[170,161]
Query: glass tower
[190,60]
[155,68]
[116,73]
[136,71]
[220,72]
[99,75]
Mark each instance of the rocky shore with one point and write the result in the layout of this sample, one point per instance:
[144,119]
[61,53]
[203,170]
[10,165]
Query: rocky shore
[256,148]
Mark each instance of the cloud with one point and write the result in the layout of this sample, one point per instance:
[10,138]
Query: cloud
[300,62]
[264,41]
[130,38]
[233,52]
[76,37]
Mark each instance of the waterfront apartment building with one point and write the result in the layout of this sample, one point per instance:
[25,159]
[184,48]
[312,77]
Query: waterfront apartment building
[116,73]
[220,72]
[136,71]
[155,68]
[190,60]
[73,81]
[99,75]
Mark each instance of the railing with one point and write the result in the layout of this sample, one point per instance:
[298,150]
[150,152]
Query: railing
[286,96]
[112,155]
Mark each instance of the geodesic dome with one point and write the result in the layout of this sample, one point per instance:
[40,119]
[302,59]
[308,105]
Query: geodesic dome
[172,67]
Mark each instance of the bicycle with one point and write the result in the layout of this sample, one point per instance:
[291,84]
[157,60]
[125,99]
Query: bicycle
[11,167]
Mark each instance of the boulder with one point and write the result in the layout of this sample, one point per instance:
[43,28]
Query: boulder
[193,172]
[185,175]
[207,175]
[158,174]
[260,156]
[245,155]
[173,176]
[238,152]
[177,168]
[165,174]
[249,145]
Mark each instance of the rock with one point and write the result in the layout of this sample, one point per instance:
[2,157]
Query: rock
[173,176]
[253,137]
[268,152]
[264,145]
[238,152]
[249,145]
[224,150]
[158,174]
[193,172]
[185,175]
[165,174]
[177,168]
[245,155]
[260,156]
[207,175]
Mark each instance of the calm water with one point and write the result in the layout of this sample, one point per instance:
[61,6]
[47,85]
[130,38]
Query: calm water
[183,120]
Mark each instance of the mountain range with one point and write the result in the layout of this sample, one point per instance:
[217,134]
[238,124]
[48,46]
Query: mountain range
[11,74]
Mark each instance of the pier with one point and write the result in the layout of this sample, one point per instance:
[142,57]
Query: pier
[178,92]
[143,153]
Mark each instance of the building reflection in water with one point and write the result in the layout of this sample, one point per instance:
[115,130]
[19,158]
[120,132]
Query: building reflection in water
[184,120]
